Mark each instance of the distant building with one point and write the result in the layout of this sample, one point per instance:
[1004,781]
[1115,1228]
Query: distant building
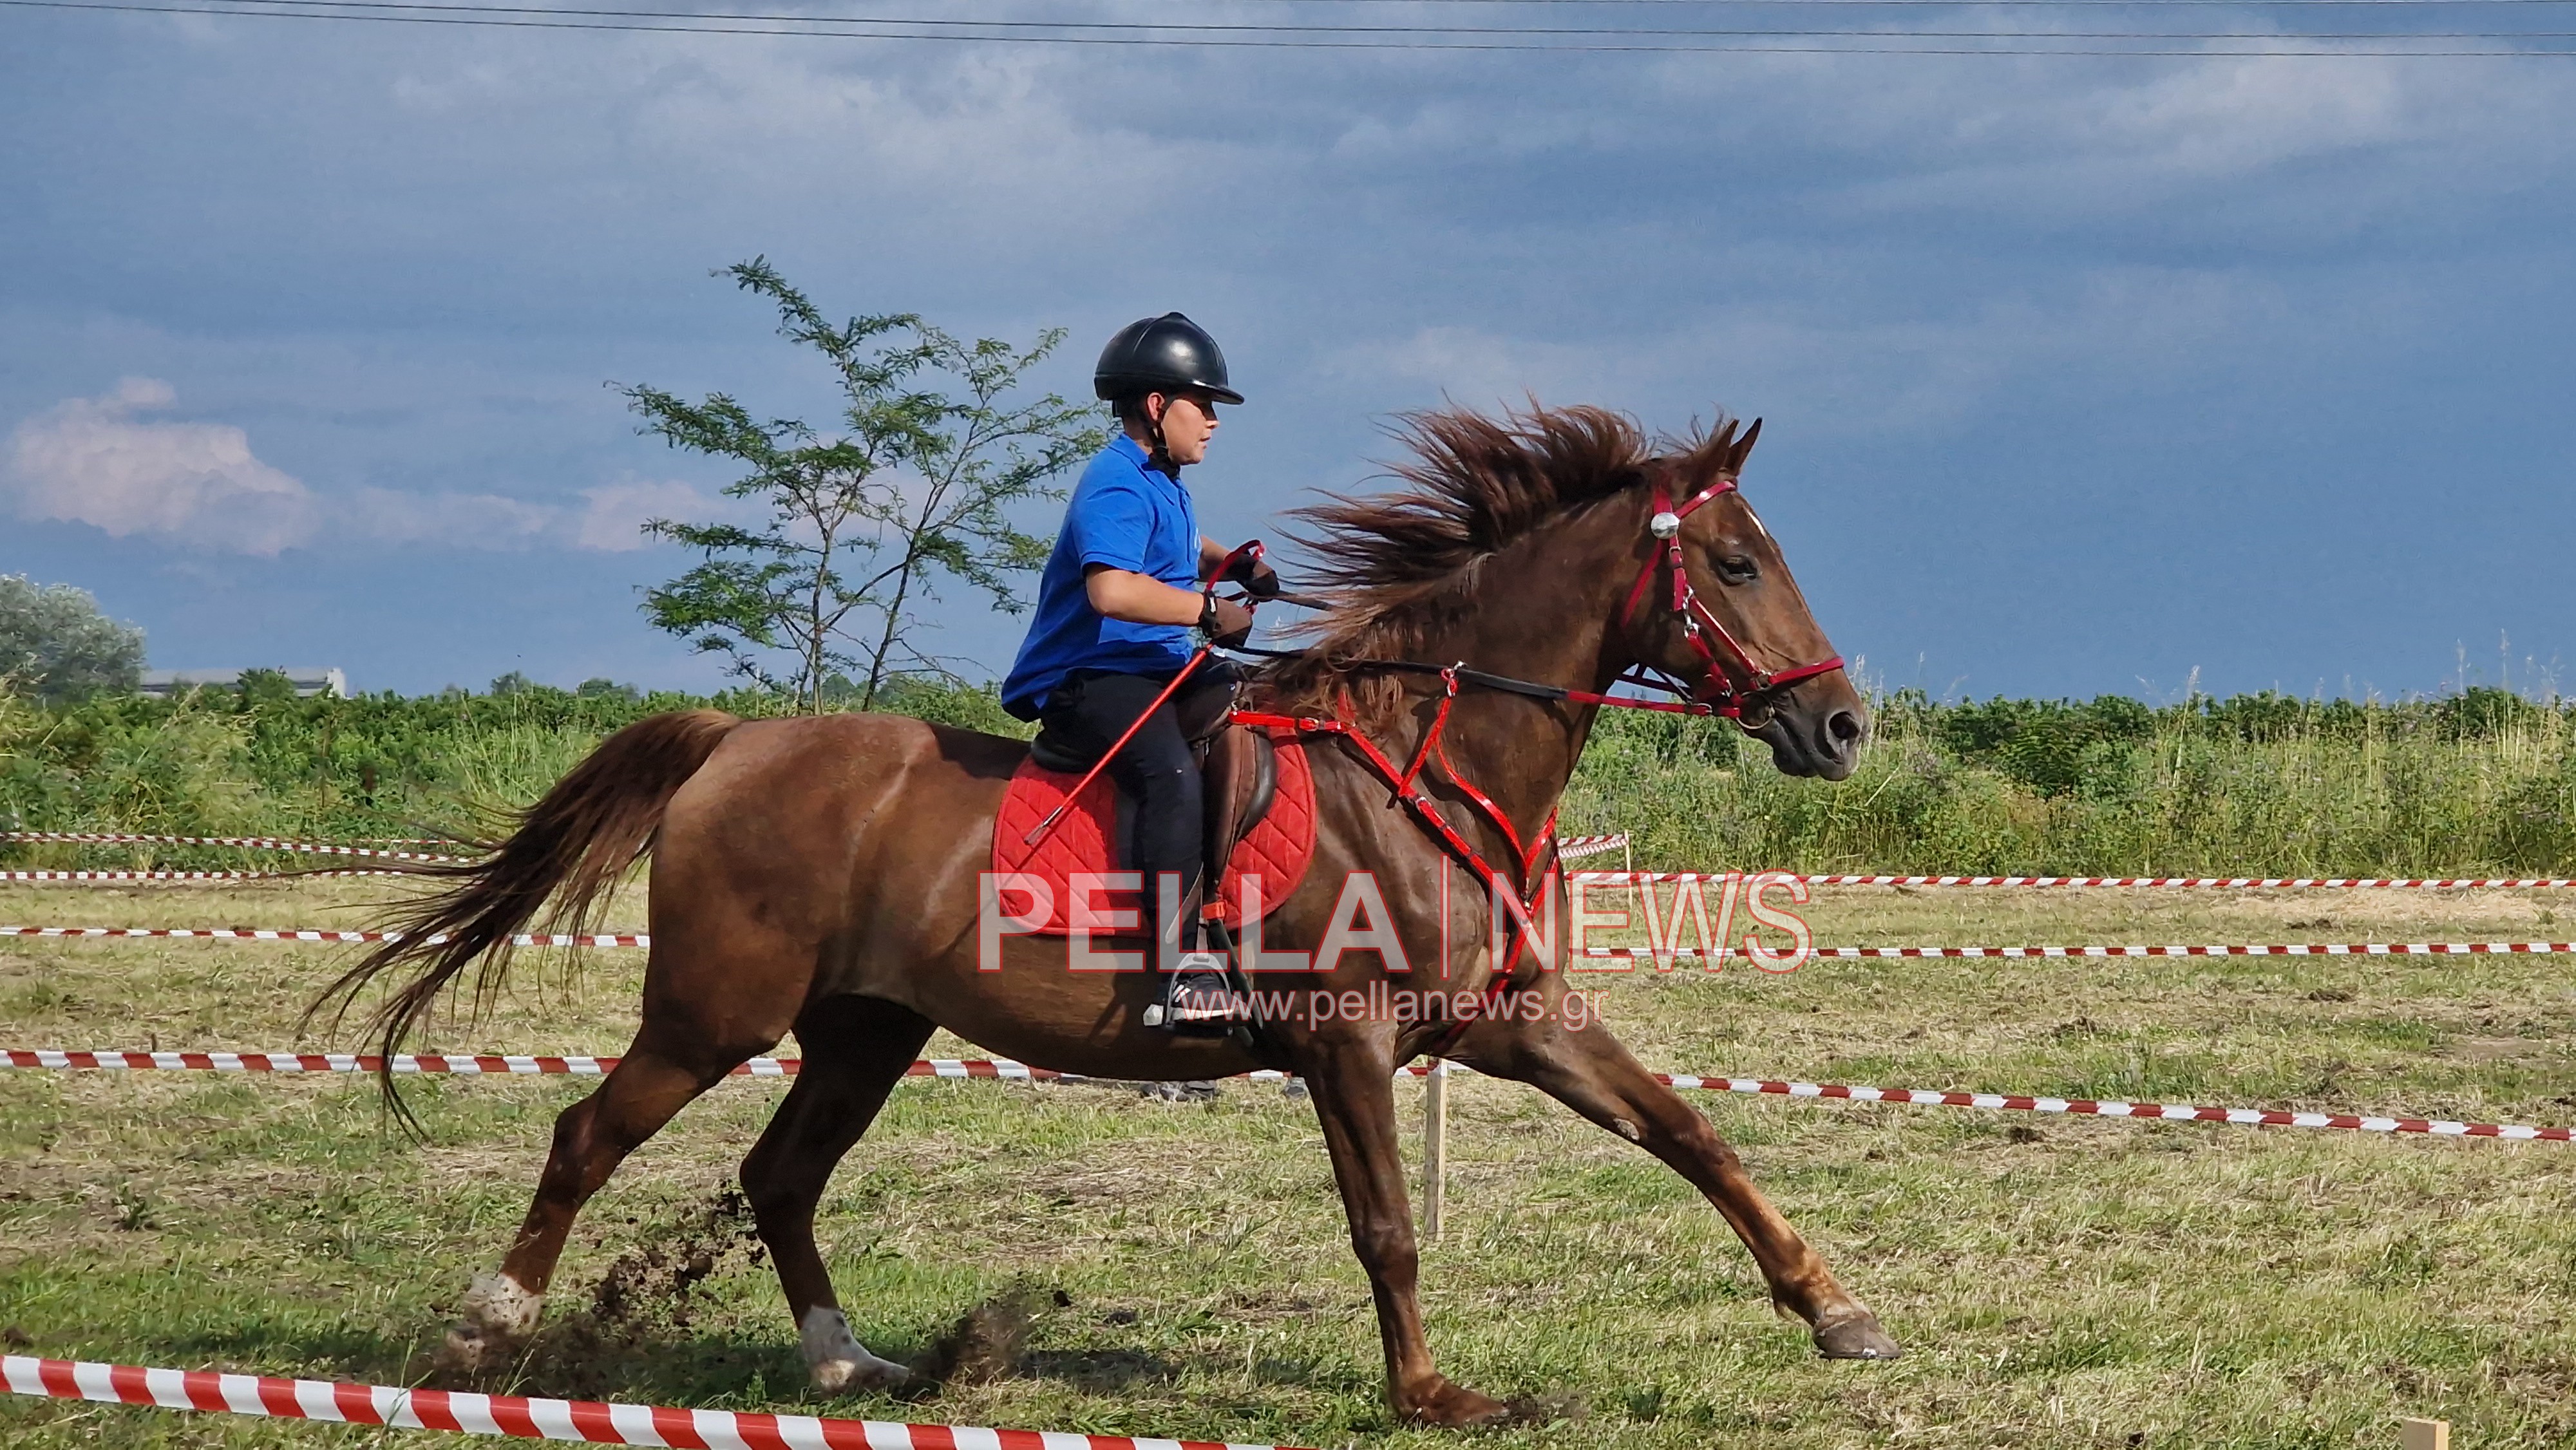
[163,684]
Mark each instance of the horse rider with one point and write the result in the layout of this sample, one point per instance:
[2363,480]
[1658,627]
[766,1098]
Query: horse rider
[1115,606]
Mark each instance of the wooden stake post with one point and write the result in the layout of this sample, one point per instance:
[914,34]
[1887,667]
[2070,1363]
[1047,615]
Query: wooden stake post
[1435,1145]
[2417,1434]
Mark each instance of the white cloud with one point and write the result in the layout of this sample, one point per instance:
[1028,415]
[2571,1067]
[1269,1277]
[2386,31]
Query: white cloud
[2139,329]
[94,461]
[91,461]
[478,520]
[612,520]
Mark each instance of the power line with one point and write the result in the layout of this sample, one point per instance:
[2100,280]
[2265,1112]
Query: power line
[1958,4]
[1789,4]
[1946,4]
[1197,36]
[366,8]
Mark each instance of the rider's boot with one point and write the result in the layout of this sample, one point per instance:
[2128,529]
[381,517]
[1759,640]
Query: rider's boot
[1199,999]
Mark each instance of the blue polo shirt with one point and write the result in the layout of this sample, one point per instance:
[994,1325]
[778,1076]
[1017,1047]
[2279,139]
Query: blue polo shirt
[1128,515]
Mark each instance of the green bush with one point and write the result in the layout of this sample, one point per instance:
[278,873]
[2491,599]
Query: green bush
[2478,783]
[260,761]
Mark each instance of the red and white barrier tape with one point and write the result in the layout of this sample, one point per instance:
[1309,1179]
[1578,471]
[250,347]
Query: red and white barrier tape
[1568,848]
[259,843]
[2294,949]
[247,933]
[529,1419]
[2518,883]
[480,1064]
[1006,1070]
[2167,1112]
[187,875]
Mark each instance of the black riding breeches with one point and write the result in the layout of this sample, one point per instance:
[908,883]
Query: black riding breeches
[1091,709]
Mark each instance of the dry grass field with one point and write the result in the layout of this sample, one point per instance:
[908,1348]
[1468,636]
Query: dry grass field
[2057,1282]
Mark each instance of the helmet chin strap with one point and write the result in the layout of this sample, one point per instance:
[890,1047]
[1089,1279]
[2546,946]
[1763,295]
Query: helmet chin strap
[1162,453]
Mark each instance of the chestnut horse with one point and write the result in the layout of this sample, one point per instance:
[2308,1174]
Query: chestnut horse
[821,875]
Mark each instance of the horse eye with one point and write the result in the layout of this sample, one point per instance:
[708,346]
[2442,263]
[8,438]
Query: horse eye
[1738,570]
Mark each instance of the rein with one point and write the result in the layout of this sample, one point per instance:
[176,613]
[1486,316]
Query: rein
[1723,665]
[1527,880]
[1730,684]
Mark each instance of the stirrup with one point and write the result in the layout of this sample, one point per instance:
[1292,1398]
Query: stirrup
[1199,998]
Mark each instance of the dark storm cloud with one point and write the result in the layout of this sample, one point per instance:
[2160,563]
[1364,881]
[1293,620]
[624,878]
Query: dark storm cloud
[2078,372]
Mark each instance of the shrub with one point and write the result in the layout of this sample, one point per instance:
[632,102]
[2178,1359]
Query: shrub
[2472,784]
[56,645]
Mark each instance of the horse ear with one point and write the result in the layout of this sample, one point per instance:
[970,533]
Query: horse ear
[1743,449]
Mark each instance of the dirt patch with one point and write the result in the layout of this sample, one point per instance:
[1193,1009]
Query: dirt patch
[988,1342]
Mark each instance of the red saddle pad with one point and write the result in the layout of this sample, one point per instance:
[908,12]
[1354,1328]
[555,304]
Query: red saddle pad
[1278,850]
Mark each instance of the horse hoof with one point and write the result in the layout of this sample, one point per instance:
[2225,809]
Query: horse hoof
[1451,1406]
[1855,1336]
[840,1365]
[498,1315]
[856,1377]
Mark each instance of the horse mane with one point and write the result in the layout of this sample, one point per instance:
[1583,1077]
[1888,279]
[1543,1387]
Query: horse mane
[1402,564]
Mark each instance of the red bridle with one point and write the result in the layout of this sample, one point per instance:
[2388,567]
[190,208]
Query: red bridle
[1720,691]
[1730,681]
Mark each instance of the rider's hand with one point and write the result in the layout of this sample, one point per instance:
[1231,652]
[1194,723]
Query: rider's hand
[1257,578]
[1226,621]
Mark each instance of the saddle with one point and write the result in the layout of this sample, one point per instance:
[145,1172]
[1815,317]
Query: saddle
[1260,795]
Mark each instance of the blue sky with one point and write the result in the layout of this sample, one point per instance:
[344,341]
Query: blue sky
[2079,374]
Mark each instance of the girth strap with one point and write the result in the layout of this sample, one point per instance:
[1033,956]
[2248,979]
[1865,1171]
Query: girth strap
[1407,792]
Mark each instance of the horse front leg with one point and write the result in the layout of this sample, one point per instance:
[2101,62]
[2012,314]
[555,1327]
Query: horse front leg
[1591,1072]
[1351,1078]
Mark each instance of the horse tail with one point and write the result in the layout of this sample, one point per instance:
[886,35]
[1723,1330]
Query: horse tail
[569,848]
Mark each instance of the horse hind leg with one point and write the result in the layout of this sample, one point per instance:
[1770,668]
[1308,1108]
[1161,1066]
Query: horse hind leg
[856,1049]
[646,1089]
[1592,1073]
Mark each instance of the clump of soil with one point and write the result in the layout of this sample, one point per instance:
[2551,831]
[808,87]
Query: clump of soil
[988,1342]
[648,1297]
[649,1288]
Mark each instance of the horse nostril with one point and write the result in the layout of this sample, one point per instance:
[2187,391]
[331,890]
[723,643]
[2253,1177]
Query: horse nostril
[1843,727]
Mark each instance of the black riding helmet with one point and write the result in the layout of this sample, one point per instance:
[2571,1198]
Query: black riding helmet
[1166,354]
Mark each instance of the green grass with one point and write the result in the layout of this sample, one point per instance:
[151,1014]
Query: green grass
[2056,1281]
